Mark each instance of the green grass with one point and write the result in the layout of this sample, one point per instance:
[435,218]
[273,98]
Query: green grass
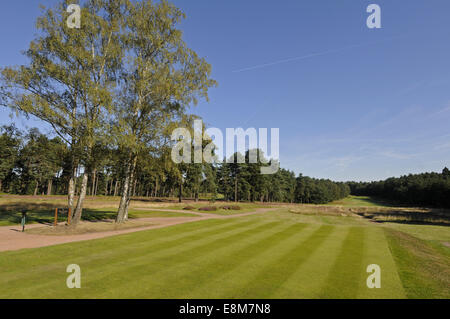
[359,201]
[247,257]
[423,268]
[424,232]
[48,216]
[41,209]
[273,255]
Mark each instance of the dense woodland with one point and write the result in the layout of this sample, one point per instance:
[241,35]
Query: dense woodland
[427,189]
[33,164]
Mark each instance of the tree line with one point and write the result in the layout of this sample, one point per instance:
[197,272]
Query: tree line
[426,189]
[34,164]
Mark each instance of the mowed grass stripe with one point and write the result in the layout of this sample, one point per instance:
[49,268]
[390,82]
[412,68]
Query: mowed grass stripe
[279,270]
[191,284]
[120,256]
[110,245]
[377,252]
[345,276]
[229,285]
[100,278]
[311,275]
[182,261]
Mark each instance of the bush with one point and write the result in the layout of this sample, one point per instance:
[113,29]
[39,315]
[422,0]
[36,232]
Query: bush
[233,207]
[208,208]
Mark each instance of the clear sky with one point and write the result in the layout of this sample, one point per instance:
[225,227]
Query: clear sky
[351,103]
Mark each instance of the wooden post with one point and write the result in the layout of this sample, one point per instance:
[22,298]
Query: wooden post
[56,216]
[69,215]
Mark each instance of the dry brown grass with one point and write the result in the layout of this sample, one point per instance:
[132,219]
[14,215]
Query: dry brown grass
[379,214]
[208,208]
[323,210]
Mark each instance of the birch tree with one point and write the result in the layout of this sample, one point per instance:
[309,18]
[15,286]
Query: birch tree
[161,78]
[69,80]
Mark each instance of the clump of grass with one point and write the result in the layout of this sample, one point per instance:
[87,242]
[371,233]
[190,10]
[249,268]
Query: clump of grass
[189,208]
[231,207]
[322,211]
[208,208]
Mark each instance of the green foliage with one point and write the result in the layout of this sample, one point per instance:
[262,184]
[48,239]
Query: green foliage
[319,191]
[427,189]
[9,151]
[246,181]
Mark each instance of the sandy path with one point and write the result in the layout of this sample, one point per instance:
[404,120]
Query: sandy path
[11,237]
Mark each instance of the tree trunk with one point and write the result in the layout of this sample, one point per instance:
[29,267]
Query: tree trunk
[36,188]
[196,196]
[235,188]
[71,190]
[122,212]
[106,187]
[96,186]
[134,186]
[1,185]
[115,187]
[79,209]
[180,194]
[49,187]
[93,181]
[123,200]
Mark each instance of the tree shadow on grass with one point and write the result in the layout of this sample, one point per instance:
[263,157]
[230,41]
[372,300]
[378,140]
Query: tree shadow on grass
[44,213]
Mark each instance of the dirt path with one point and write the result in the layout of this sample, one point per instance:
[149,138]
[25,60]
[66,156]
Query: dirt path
[11,237]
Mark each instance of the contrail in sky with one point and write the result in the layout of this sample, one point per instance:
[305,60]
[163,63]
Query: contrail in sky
[311,55]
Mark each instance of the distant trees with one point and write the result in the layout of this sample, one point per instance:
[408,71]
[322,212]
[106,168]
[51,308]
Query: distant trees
[9,150]
[427,189]
[30,162]
[244,182]
[319,191]
[40,160]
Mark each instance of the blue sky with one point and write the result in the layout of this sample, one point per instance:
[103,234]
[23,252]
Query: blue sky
[351,103]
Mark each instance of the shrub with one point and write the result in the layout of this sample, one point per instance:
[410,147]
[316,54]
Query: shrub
[208,208]
[232,207]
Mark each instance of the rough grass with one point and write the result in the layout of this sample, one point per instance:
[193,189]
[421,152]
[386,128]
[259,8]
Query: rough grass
[222,208]
[424,270]
[424,232]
